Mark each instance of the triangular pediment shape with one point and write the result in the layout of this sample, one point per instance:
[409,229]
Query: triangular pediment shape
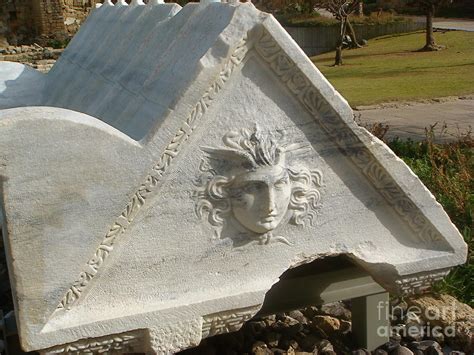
[256,167]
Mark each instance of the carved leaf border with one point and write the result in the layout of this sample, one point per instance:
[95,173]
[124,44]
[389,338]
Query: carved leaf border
[152,181]
[305,92]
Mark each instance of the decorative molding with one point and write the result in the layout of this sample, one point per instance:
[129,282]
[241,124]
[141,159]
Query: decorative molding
[289,73]
[227,322]
[309,96]
[119,343]
[150,185]
[421,283]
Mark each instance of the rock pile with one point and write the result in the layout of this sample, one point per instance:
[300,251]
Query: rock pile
[326,330]
[40,58]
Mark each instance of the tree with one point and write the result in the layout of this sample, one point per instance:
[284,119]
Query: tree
[340,9]
[429,7]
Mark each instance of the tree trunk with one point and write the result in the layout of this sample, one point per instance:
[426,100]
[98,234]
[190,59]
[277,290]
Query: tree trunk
[360,8]
[430,40]
[352,35]
[338,59]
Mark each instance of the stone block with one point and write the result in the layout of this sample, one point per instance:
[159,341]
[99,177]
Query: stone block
[175,164]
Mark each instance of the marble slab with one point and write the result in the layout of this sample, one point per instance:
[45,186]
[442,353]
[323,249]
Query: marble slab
[174,163]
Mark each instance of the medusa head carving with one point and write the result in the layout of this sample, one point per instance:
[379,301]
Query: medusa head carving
[250,181]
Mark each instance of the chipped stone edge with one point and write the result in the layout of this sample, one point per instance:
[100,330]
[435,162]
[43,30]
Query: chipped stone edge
[141,340]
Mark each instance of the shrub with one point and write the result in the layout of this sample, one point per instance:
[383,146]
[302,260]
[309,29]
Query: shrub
[447,170]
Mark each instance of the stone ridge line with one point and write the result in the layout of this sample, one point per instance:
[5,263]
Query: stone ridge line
[149,187]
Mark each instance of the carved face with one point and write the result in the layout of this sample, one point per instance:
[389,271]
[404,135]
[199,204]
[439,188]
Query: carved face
[260,198]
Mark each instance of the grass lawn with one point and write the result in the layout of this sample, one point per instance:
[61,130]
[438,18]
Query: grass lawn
[390,69]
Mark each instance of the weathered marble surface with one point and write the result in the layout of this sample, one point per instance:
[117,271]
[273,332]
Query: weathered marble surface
[210,156]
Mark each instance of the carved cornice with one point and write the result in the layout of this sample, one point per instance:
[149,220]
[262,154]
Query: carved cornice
[228,321]
[117,343]
[350,144]
[420,283]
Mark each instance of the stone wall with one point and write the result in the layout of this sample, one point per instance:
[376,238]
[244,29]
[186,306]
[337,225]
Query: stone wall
[16,20]
[75,13]
[24,21]
[49,19]
[317,40]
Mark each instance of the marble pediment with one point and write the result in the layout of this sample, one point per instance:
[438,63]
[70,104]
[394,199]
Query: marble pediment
[169,195]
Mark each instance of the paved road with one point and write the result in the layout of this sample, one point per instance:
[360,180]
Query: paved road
[454,24]
[410,120]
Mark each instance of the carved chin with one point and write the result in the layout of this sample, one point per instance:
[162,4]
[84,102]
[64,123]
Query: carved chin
[260,227]
[269,225]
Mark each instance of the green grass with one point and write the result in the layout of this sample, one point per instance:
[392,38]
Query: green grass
[391,69]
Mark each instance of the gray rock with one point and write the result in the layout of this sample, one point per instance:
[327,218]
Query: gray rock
[310,312]
[328,324]
[299,316]
[428,347]
[345,327]
[260,348]
[336,309]
[398,310]
[256,327]
[47,54]
[309,342]
[272,339]
[414,332]
[412,318]
[390,346]
[325,347]
[396,337]
[401,350]
[270,320]
[438,337]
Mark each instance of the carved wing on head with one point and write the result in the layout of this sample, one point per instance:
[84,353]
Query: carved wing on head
[298,149]
[238,156]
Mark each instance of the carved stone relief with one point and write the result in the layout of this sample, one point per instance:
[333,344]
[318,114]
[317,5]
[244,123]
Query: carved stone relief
[249,184]
[421,283]
[226,322]
[113,344]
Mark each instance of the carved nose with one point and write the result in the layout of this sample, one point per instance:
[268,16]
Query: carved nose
[271,200]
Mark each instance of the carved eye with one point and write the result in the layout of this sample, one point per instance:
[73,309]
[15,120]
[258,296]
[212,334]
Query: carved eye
[281,183]
[252,187]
